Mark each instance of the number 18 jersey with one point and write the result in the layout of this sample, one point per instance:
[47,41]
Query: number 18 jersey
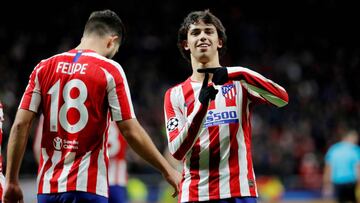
[75,91]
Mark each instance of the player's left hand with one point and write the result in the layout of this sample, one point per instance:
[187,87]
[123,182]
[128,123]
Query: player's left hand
[220,74]
[174,179]
[12,193]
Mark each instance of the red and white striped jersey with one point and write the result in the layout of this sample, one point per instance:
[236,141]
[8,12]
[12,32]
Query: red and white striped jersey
[2,179]
[75,91]
[214,142]
[117,151]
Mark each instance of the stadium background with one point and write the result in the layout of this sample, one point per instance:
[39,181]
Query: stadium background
[310,47]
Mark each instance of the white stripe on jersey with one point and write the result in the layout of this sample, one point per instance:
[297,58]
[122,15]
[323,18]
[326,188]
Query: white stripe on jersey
[113,97]
[224,168]
[101,185]
[173,94]
[82,176]
[68,162]
[187,180]
[45,159]
[204,155]
[55,159]
[36,96]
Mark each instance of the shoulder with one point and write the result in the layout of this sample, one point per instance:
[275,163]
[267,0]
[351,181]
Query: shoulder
[177,89]
[103,61]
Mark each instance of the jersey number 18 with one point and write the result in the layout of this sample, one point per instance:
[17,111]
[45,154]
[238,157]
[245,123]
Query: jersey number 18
[77,103]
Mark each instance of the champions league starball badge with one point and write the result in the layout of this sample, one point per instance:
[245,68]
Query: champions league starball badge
[172,124]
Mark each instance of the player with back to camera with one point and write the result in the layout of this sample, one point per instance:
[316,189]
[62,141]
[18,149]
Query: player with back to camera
[75,91]
[208,116]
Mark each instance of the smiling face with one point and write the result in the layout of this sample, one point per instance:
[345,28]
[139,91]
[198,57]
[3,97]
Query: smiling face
[203,42]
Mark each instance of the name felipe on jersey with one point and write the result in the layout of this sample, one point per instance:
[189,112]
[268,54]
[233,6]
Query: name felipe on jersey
[71,68]
[223,117]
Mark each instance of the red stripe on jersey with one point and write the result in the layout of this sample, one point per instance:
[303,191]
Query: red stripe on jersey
[170,113]
[72,177]
[246,126]
[194,172]
[189,97]
[56,174]
[92,172]
[46,167]
[214,157]
[234,156]
[249,157]
[234,160]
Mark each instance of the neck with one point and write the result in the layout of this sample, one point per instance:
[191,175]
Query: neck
[196,64]
[92,43]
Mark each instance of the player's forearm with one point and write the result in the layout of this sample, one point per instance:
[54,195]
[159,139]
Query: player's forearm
[142,144]
[16,148]
[180,142]
[268,89]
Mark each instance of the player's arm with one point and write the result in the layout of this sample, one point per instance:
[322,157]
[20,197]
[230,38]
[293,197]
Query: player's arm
[141,143]
[37,138]
[182,131]
[19,135]
[256,84]
[122,112]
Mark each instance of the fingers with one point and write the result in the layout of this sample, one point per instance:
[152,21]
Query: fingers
[205,82]
[175,194]
[213,93]
[206,70]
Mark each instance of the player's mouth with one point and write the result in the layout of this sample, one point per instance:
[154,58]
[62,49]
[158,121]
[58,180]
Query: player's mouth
[203,45]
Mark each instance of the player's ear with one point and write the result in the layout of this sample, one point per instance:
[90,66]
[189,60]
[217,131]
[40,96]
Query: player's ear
[220,45]
[184,44]
[112,40]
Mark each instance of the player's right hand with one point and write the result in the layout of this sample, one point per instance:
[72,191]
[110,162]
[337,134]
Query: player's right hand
[207,93]
[12,193]
[220,74]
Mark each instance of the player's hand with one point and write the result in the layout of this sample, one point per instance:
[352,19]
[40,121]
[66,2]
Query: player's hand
[220,74]
[174,179]
[207,92]
[13,193]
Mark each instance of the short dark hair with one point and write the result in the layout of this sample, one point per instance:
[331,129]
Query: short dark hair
[194,17]
[105,22]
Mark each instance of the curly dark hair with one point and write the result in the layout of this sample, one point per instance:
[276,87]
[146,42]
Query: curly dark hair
[194,17]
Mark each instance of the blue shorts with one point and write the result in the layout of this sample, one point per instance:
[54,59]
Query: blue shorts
[117,194]
[71,197]
[233,200]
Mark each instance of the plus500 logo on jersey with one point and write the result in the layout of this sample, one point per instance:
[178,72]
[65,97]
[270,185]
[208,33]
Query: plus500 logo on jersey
[214,118]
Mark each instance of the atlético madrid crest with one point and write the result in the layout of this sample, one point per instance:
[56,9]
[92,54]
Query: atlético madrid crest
[228,91]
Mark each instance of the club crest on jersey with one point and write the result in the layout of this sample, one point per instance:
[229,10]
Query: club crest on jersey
[228,91]
[172,124]
[57,142]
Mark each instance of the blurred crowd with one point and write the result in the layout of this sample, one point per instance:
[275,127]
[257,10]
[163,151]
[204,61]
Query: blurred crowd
[308,47]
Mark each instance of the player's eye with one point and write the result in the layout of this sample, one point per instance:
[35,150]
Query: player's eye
[195,32]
